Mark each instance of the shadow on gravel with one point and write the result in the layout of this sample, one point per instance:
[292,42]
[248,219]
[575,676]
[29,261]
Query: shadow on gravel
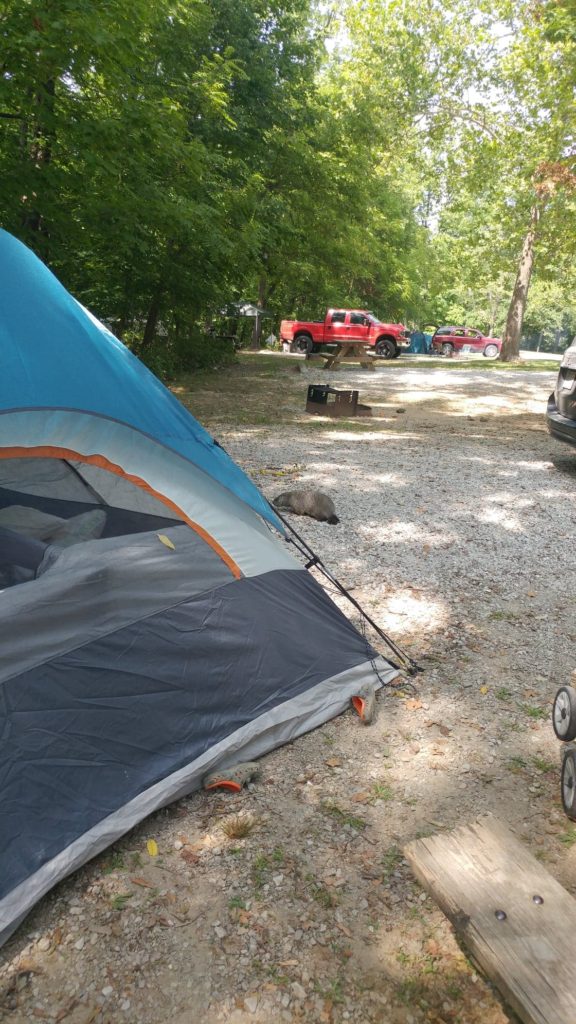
[567,466]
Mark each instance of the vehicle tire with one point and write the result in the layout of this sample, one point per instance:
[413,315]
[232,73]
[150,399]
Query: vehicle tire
[568,783]
[303,343]
[386,348]
[564,714]
[447,349]
[491,351]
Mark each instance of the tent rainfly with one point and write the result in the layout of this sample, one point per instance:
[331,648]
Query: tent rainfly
[154,626]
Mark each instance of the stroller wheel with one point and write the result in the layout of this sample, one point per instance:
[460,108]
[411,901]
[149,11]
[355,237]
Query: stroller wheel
[568,783]
[564,713]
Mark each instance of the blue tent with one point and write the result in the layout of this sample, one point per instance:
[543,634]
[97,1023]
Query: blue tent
[154,624]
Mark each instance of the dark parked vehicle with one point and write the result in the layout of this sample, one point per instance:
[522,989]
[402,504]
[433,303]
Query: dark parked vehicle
[449,340]
[561,412]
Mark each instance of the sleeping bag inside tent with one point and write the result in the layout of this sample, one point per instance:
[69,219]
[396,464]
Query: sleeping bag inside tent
[154,625]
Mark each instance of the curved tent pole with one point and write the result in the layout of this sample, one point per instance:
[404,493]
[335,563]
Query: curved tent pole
[407,663]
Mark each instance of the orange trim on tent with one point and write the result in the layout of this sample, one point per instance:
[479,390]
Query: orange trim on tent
[51,452]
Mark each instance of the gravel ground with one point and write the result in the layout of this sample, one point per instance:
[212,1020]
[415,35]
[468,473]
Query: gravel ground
[292,901]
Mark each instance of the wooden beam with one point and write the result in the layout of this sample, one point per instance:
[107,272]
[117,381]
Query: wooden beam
[516,920]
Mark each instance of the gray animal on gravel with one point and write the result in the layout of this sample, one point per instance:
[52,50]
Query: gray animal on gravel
[307,503]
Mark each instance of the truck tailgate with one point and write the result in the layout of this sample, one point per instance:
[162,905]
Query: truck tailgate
[287,330]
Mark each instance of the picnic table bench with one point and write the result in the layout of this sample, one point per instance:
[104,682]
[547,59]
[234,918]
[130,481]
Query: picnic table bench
[351,351]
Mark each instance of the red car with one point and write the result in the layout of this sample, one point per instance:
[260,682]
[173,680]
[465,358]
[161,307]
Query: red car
[449,340]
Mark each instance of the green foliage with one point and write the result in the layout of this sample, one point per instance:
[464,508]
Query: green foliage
[120,901]
[167,158]
[343,817]
[568,838]
[167,357]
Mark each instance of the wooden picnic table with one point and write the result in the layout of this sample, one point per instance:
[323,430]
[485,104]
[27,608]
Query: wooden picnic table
[351,351]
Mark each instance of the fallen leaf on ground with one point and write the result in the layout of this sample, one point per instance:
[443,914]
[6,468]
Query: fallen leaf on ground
[413,704]
[344,929]
[70,1005]
[152,847]
[483,689]
[28,967]
[361,798]
[444,729]
[333,762]
[189,856]
[143,882]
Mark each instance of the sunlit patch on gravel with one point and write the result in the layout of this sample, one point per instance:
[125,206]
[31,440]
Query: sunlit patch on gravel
[398,531]
[503,517]
[408,611]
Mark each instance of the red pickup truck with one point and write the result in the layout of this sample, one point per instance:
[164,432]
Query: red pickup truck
[341,325]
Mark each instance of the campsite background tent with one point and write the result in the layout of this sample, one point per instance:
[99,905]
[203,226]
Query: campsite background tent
[167,629]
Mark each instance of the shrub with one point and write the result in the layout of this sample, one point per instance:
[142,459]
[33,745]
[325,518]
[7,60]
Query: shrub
[168,357]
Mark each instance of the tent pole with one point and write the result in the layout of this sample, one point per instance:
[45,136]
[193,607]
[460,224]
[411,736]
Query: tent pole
[408,663]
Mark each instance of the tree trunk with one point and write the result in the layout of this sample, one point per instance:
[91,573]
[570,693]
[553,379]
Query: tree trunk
[257,331]
[517,308]
[152,319]
[39,153]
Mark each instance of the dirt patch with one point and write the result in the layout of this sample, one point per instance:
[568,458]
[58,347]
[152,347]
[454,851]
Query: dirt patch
[457,512]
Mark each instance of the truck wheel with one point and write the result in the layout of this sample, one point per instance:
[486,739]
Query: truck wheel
[447,349]
[491,351]
[386,348]
[302,343]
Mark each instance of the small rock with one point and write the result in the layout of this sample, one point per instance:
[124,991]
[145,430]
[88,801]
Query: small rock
[79,944]
[44,944]
[299,992]
[220,932]
[251,1003]
[107,991]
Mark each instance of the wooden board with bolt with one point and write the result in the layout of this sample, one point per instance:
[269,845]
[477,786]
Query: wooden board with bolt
[514,918]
